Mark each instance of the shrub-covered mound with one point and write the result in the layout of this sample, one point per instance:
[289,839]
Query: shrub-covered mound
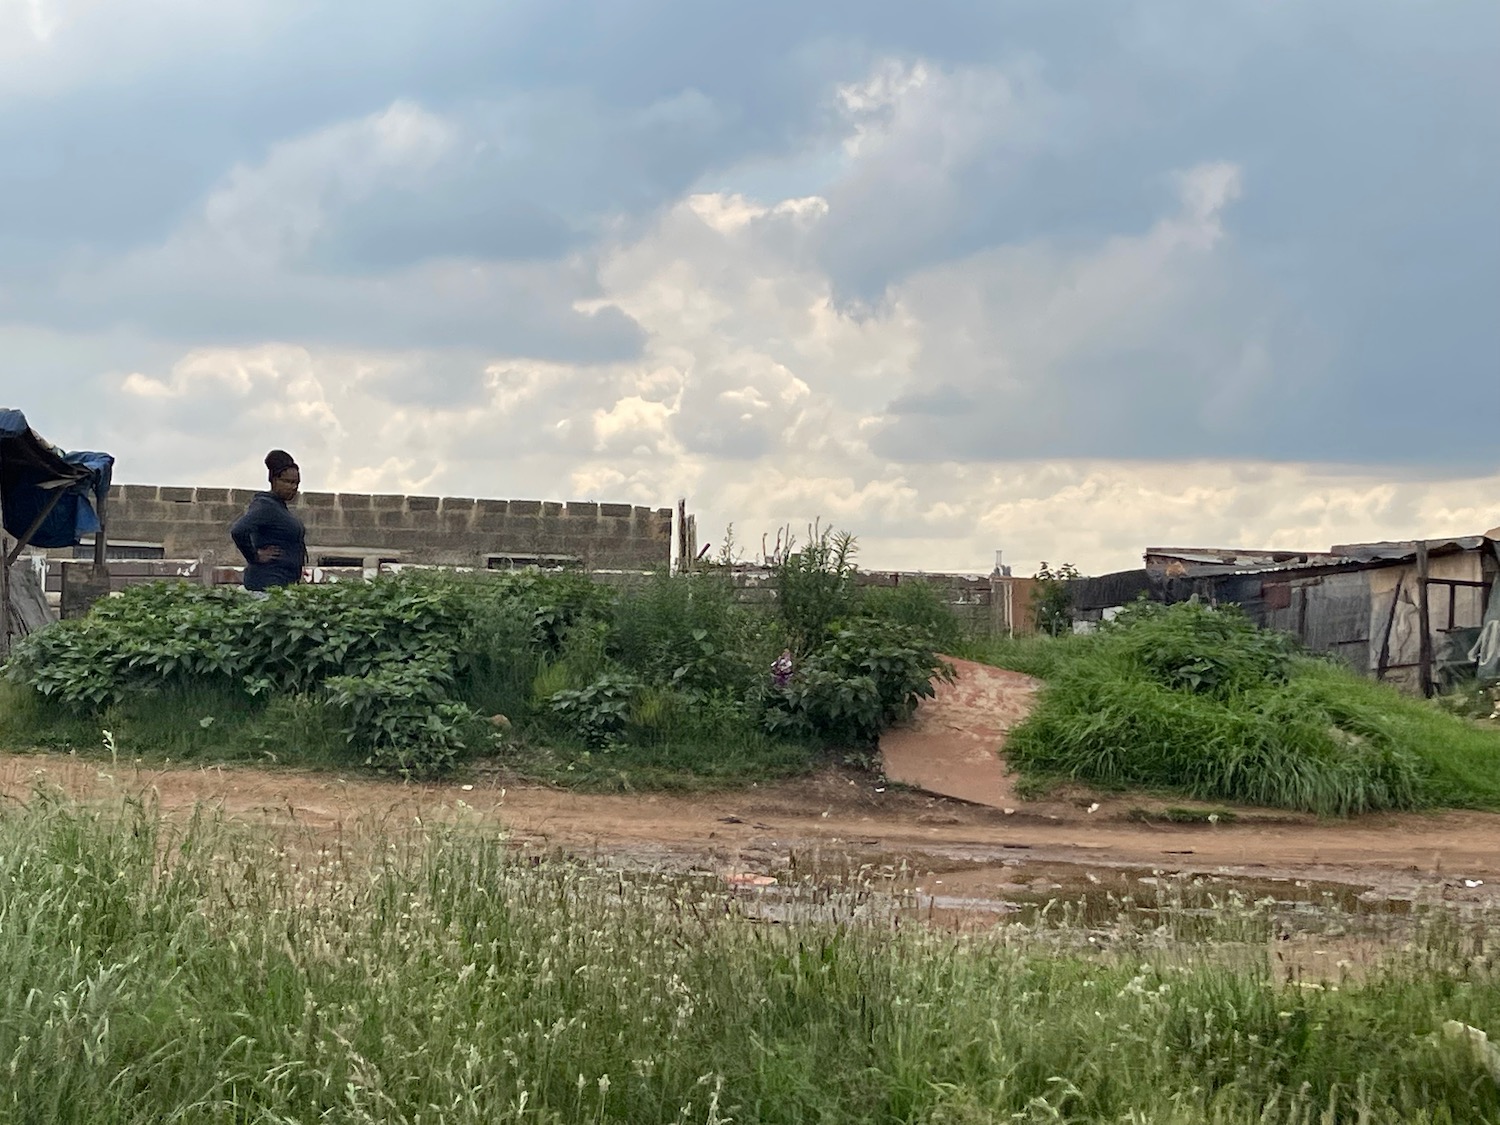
[1201,701]
[660,683]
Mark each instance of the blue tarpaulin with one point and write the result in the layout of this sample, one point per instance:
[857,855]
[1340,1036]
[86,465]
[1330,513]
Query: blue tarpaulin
[33,471]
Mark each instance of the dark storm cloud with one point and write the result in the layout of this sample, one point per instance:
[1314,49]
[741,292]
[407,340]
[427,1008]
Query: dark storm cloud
[1358,271]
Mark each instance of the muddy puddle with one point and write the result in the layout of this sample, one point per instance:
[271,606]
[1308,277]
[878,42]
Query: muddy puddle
[1305,930]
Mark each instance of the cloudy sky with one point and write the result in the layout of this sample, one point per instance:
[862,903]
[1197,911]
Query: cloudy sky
[1061,279]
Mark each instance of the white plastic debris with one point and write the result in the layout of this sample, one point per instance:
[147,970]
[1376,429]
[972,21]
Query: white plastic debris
[1485,1052]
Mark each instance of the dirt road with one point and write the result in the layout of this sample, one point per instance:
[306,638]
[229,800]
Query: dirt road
[831,820]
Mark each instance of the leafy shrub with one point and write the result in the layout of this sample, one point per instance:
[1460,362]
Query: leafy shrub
[689,632]
[386,651]
[396,672]
[869,675]
[402,716]
[1214,651]
[597,713]
[921,605]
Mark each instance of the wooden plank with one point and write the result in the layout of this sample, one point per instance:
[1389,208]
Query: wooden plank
[1424,624]
[1385,639]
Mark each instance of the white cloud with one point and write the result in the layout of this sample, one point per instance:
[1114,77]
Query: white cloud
[272,212]
[879,349]
[757,397]
[50,46]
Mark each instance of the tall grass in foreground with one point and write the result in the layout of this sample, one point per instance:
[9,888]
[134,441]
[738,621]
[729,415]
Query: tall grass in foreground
[148,975]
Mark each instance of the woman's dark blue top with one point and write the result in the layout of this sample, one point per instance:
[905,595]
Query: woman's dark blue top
[268,522]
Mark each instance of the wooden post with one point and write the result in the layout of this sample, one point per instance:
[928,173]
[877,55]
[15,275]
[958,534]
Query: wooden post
[101,546]
[4,598]
[1424,624]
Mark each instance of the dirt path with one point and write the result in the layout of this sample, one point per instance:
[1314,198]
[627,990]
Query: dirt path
[952,745]
[826,822]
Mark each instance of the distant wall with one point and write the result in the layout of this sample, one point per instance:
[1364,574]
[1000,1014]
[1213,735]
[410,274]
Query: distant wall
[992,606]
[444,530]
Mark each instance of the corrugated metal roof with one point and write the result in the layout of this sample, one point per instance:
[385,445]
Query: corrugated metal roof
[1398,551]
[1352,556]
[1230,555]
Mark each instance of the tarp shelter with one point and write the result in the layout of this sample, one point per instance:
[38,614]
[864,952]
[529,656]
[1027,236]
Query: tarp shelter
[48,498]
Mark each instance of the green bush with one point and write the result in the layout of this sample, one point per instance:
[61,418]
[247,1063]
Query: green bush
[397,673]
[1200,701]
[599,712]
[402,716]
[869,675]
[689,632]
[384,653]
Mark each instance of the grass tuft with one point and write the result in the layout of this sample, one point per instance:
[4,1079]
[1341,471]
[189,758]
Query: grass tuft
[1200,702]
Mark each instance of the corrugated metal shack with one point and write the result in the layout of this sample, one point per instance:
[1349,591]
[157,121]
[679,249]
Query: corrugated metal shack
[1408,613]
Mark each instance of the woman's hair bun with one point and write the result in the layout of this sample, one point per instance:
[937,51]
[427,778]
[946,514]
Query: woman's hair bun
[279,461]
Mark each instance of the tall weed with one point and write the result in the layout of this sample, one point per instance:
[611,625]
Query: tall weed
[916,603]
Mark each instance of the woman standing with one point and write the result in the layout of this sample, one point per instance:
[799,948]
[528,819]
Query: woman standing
[271,538]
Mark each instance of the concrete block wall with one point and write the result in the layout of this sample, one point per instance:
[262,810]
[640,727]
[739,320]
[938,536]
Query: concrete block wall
[442,530]
[990,606]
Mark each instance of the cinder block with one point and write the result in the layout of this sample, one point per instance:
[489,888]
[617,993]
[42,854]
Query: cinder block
[394,519]
[494,507]
[459,504]
[176,495]
[525,507]
[242,496]
[422,503]
[614,510]
[521,531]
[360,518]
[489,522]
[552,508]
[455,525]
[579,509]
[212,495]
[224,514]
[138,492]
[350,501]
[318,499]
[387,500]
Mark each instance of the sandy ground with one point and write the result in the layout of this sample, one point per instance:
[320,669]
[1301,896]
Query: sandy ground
[953,745]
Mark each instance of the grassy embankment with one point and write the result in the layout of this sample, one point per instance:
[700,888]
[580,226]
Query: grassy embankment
[212,975]
[1199,702]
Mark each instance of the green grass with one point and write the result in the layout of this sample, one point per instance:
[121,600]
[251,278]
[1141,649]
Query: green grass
[1039,656]
[184,724]
[214,975]
[1461,758]
[1188,700]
